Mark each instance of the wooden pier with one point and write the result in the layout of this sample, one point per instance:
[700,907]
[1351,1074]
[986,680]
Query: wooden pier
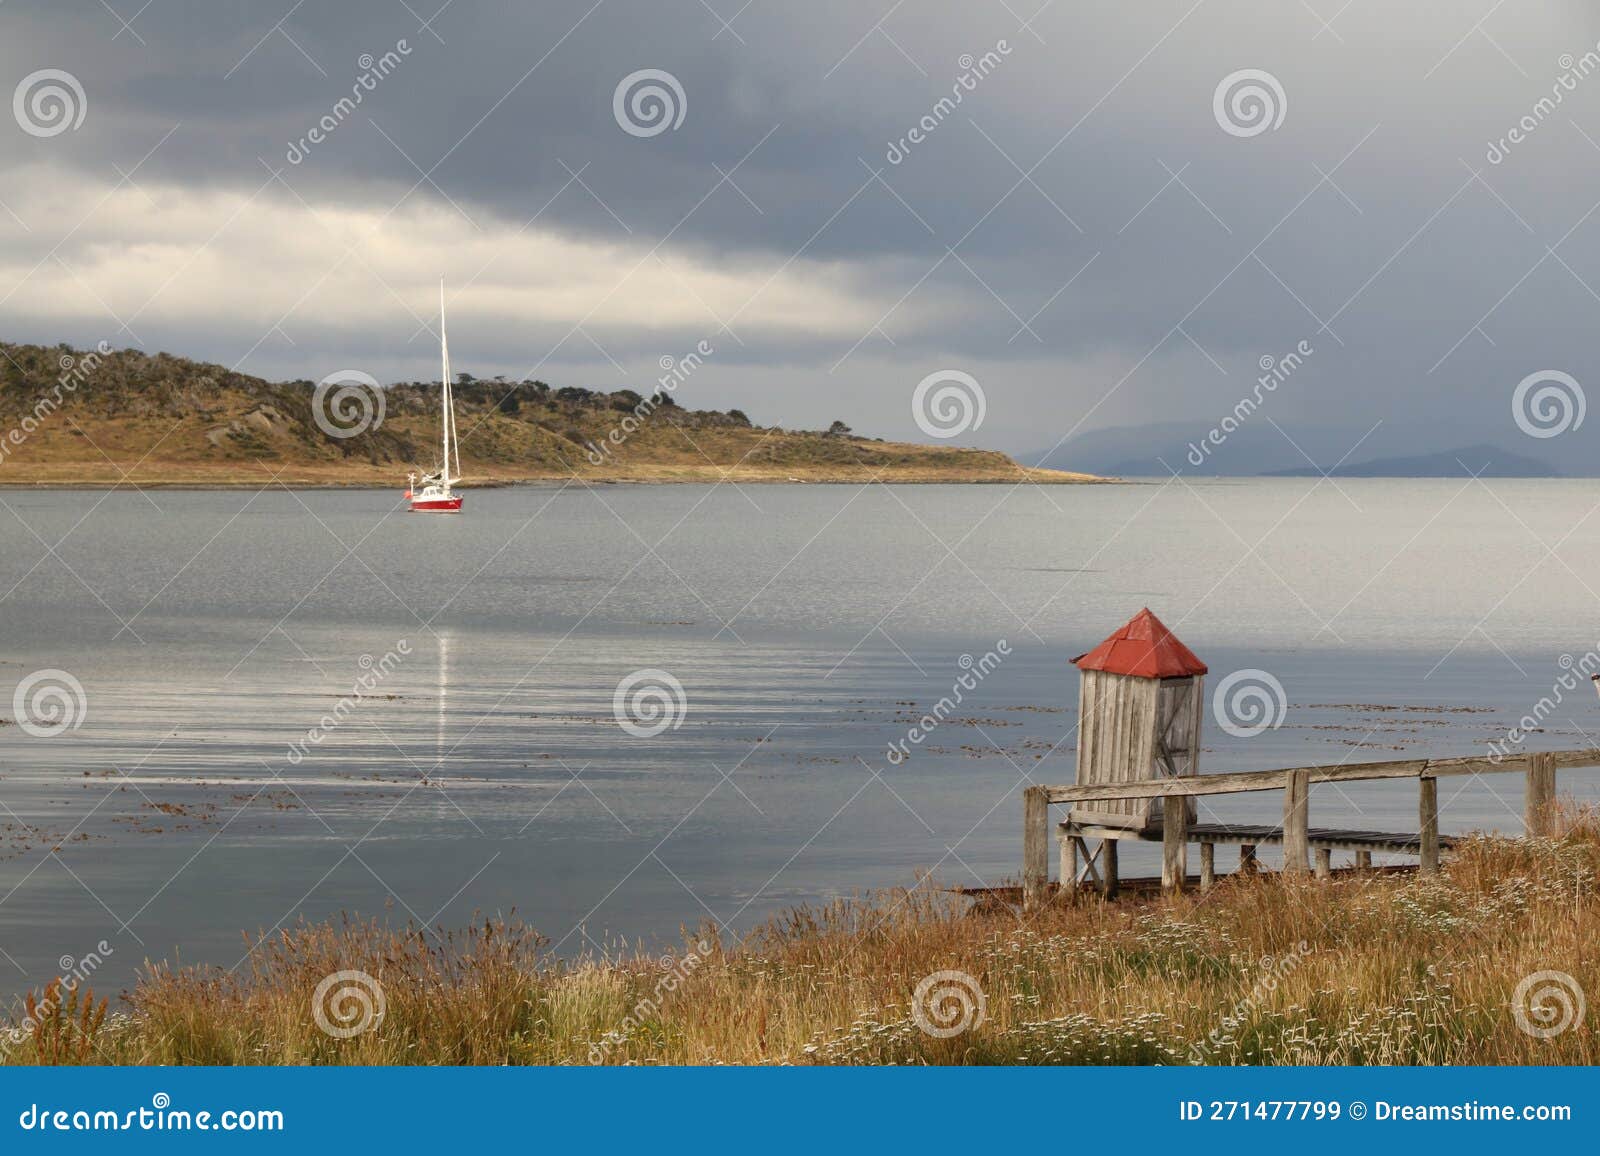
[1081,862]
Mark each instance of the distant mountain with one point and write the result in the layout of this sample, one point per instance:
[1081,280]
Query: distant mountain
[1395,448]
[1161,448]
[1482,460]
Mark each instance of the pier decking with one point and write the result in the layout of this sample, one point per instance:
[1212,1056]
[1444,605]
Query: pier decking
[1088,850]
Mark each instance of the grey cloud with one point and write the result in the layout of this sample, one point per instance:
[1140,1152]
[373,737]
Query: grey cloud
[1403,251]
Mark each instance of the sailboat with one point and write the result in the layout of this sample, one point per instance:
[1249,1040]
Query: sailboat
[436,496]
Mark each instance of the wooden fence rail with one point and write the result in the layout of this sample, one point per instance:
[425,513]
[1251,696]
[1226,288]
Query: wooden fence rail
[1539,769]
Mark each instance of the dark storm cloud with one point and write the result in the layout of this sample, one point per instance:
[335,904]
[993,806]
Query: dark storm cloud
[1078,232]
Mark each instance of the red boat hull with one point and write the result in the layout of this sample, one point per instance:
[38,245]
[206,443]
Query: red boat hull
[436,505]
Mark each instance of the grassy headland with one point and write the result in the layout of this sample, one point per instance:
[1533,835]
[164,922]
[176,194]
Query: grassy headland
[157,420]
[1365,969]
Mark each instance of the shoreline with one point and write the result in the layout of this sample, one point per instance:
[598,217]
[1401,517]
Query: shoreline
[708,477]
[1268,969]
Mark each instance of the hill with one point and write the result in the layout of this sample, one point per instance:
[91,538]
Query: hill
[1480,460]
[72,417]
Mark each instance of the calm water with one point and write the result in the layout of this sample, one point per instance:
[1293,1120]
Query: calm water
[808,627]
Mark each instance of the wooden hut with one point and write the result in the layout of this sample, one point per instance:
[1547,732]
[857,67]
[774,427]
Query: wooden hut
[1139,707]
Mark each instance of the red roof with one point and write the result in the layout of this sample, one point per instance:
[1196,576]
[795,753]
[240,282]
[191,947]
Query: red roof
[1143,647]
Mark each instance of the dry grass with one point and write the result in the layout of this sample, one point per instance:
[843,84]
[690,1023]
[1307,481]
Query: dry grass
[1381,969]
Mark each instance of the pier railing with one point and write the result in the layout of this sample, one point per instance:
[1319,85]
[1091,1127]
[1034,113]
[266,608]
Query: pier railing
[1295,835]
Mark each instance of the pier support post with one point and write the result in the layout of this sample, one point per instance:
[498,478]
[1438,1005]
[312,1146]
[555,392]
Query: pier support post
[1174,843]
[1363,860]
[1296,808]
[1108,868]
[1208,866]
[1540,796]
[1324,863]
[1428,825]
[1247,859]
[1068,892]
[1035,848]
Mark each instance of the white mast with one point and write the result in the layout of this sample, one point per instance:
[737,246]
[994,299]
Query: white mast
[448,425]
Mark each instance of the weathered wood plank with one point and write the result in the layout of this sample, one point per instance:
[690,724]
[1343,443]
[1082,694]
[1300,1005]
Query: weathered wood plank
[1108,868]
[1334,839]
[1428,823]
[1088,861]
[1296,808]
[1174,842]
[1068,869]
[1233,782]
[1208,866]
[1035,848]
[1540,795]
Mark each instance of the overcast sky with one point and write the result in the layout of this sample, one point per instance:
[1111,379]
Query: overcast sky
[1082,233]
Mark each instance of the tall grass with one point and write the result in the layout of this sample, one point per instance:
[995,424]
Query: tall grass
[1371,968]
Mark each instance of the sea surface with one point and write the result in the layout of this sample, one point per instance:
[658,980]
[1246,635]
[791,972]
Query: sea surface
[221,776]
